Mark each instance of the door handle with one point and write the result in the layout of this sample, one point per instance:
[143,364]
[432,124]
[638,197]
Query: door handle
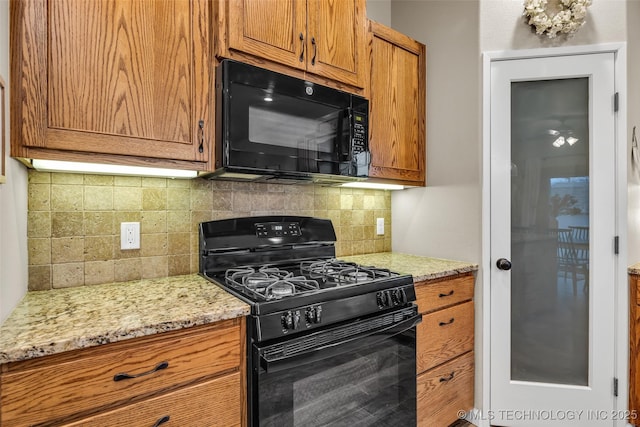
[503,264]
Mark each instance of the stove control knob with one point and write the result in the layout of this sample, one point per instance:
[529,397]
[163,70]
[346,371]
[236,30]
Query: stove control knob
[384,299]
[399,296]
[318,317]
[296,319]
[310,314]
[287,320]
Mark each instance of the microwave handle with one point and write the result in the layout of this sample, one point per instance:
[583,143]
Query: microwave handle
[343,142]
[350,344]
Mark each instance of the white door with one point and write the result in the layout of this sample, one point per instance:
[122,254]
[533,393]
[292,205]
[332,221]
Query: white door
[553,220]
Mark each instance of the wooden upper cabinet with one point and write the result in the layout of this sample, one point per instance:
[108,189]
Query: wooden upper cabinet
[112,77]
[323,37]
[397,134]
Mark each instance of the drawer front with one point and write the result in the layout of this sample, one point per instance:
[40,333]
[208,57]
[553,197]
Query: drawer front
[210,404]
[59,389]
[435,295]
[445,390]
[443,335]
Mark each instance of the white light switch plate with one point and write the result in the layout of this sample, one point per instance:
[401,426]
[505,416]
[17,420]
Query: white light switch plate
[129,235]
[380,226]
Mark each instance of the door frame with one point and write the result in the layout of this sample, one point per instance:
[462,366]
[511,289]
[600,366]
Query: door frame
[621,321]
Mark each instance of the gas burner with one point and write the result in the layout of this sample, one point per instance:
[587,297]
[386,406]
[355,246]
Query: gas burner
[321,269]
[268,282]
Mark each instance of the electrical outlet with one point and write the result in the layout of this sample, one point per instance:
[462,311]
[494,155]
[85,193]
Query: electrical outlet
[380,226]
[129,235]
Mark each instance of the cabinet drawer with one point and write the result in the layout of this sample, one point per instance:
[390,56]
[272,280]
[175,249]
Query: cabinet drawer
[443,335]
[445,390]
[433,296]
[54,388]
[210,404]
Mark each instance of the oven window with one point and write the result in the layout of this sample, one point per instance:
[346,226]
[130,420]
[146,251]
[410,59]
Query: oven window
[370,387]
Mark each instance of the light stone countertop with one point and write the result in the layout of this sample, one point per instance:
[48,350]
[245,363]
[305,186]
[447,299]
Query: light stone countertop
[49,322]
[634,269]
[422,268]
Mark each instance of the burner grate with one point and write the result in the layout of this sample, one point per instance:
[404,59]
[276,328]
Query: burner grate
[268,282]
[342,272]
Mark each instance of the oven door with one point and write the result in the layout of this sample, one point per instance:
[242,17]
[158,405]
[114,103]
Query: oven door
[357,374]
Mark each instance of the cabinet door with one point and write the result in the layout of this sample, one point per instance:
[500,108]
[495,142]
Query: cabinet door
[270,29]
[115,77]
[336,36]
[397,107]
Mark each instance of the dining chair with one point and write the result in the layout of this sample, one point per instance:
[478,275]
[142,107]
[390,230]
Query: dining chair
[573,259]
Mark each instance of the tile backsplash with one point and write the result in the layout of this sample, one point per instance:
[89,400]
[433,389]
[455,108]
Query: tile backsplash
[74,222]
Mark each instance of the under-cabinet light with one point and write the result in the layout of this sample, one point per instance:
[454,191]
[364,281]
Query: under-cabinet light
[106,169]
[373,186]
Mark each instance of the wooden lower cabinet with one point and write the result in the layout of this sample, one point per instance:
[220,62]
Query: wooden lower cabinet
[634,347]
[210,404]
[445,390]
[195,375]
[444,353]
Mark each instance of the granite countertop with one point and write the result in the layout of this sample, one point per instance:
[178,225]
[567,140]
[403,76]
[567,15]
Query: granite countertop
[634,269]
[422,268]
[49,322]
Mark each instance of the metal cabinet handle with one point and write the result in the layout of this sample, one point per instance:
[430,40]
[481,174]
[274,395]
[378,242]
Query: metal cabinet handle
[201,132]
[448,294]
[124,376]
[302,43]
[447,378]
[315,50]
[447,323]
[162,420]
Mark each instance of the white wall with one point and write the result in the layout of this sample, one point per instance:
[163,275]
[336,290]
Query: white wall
[379,11]
[13,201]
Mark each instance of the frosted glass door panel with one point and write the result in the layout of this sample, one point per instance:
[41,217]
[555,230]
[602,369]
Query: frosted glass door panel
[550,231]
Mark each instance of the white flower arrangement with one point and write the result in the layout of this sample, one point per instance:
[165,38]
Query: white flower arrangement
[567,21]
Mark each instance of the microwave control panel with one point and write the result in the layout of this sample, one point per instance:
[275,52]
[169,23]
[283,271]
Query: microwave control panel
[359,137]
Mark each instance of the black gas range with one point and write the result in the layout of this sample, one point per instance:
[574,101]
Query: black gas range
[310,315]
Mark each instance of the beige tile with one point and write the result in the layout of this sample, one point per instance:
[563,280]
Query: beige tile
[98,198]
[127,198]
[357,217]
[369,217]
[334,217]
[346,201]
[358,201]
[39,277]
[345,218]
[154,182]
[387,245]
[379,245]
[39,251]
[99,223]
[178,199]
[98,272]
[205,184]
[153,267]
[358,232]
[357,247]
[241,186]
[39,198]
[127,269]
[178,183]
[195,260]
[241,201]
[179,243]
[125,216]
[66,197]
[300,201]
[67,224]
[98,248]
[67,178]
[200,216]
[370,232]
[179,265]
[275,188]
[333,201]
[123,254]
[221,186]
[380,202]
[222,201]
[369,202]
[67,249]
[68,275]
[178,221]
[153,245]
[368,246]
[127,181]
[201,200]
[154,199]
[36,177]
[347,233]
[153,222]
[320,201]
[260,202]
[90,179]
[39,224]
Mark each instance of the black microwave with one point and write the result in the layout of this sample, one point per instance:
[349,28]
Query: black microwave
[270,126]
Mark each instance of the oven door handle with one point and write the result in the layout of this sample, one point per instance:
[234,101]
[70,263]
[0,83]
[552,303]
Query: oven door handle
[346,345]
